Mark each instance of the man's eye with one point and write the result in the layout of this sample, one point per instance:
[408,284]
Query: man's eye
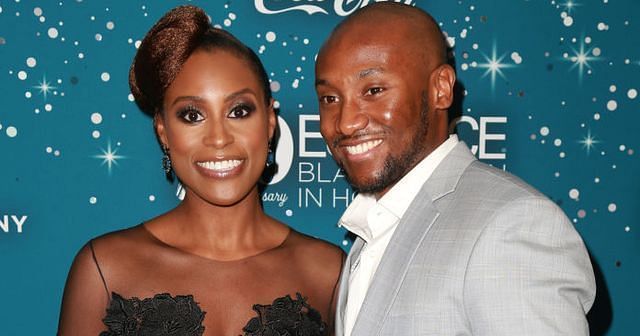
[373,91]
[328,99]
[240,111]
[191,115]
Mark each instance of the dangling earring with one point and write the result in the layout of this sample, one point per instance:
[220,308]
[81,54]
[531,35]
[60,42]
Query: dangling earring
[166,161]
[270,159]
[269,167]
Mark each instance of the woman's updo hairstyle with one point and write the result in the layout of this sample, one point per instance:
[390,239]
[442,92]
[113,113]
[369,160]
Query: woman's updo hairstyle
[169,43]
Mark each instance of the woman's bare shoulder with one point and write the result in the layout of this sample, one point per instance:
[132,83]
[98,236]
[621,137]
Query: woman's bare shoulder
[125,241]
[314,246]
[316,254]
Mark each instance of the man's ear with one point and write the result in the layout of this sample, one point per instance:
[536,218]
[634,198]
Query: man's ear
[158,125]
[273,120]
[443,78]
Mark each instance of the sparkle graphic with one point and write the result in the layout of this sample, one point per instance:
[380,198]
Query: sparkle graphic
[570,5]
[581,60]
[589,142]
[44,87]
[493,66]
[109,157]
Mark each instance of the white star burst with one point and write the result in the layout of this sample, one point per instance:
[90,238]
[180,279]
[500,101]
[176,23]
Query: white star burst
[589,142]
[581,60]
[109,157]
[493,66]
[44,87]
[569,5]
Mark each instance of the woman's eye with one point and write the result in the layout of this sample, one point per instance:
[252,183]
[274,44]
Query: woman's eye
[240,111]
[373,91]
[191,115]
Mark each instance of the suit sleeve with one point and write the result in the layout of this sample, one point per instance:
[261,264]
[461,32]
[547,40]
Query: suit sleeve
[529,274]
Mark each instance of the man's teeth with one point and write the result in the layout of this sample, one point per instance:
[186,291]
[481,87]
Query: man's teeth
[363,147]
[220,165]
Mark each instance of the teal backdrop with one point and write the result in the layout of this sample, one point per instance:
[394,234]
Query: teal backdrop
[548,91]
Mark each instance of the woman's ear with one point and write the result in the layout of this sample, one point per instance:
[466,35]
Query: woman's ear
[158,125]
[443,78]
[272,119]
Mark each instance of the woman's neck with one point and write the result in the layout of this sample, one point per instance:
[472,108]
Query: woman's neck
[219,232]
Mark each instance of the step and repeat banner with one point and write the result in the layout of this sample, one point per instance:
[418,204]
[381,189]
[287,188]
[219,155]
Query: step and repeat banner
[548,91]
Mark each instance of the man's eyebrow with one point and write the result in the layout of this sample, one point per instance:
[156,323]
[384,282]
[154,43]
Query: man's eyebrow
[368,72]
[361,74]
[321,81]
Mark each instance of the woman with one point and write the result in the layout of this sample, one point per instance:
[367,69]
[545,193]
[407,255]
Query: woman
[216,264]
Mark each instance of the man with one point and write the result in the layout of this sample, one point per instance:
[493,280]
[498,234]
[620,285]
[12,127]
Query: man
[445,245]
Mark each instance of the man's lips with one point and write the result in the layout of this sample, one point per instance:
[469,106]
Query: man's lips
[362,147]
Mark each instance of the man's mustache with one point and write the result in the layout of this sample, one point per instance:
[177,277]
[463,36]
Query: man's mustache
[357,136]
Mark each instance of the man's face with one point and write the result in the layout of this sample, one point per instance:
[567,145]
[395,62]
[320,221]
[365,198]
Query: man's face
[373,102]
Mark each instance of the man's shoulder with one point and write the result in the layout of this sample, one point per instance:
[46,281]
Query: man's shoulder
[487,198]
[490,181]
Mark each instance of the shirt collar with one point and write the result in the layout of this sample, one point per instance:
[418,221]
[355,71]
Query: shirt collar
[397,200]
[354,218]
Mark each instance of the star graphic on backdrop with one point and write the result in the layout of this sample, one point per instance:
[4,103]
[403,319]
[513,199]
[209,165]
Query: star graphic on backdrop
[581,60]
[494,66]
[588,142]
[569,5]
[109,156]
[44,87]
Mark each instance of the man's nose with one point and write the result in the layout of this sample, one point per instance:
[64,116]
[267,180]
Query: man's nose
[351,119]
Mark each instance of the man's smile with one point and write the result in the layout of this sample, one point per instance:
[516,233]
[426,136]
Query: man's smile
[363,147]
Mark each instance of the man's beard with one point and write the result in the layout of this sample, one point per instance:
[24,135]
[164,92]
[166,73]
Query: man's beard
[396,166]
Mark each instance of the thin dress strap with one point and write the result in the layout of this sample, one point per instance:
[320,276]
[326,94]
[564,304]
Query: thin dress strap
[95,260]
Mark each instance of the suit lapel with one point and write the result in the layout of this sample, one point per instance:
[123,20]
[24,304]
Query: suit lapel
[352,260]
[393,267]
[409,234]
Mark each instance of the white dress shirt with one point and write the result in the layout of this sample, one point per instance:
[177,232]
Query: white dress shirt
[376,221]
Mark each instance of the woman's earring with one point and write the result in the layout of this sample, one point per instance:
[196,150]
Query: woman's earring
[166,161]
[270,156]
[269,167]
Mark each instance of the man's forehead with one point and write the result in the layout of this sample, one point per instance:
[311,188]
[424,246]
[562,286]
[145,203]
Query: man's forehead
[348,51]
[361,39]
[356,61]
[353,56]
[374,30]
[408,31]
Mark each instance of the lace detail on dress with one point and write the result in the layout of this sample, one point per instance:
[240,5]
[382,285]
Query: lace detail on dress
[286,317]
[158,316]
[165,315]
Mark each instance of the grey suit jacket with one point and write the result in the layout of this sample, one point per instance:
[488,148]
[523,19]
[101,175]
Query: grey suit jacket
[478,252]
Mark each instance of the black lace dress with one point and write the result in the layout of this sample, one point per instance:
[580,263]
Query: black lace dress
[181,316]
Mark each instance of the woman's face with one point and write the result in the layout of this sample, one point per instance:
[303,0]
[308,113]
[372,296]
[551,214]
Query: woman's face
[217,127]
